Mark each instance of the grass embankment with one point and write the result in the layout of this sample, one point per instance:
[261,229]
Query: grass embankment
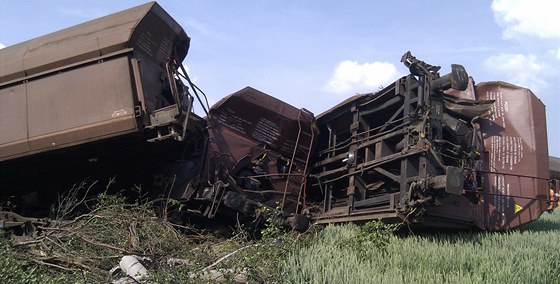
[530,254]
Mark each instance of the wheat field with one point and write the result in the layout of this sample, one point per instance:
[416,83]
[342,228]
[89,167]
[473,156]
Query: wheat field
[530,254]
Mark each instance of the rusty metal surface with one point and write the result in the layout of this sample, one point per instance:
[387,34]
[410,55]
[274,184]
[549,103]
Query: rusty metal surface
[13,121]
[251,115]
[430,150]
[263,143]
[89,82]
[516,142]
[513,172]
[474,157]
[89,103]
[66,101]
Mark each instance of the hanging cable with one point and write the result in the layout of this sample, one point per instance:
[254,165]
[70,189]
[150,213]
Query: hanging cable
[195,88]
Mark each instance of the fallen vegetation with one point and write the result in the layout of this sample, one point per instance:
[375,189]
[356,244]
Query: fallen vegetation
[77,247]
[88,239]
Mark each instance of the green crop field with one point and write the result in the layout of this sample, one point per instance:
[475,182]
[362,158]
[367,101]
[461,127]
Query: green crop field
[530,254]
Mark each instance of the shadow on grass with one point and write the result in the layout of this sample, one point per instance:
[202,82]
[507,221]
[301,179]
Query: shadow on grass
[446,235]
[548,222]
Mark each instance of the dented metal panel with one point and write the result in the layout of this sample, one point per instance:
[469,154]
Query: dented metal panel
[264,144]
[259,118]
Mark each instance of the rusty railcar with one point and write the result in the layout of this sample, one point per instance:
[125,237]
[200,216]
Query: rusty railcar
[434,151]
[90,99]
[104,78]
[107,98]
[257,154]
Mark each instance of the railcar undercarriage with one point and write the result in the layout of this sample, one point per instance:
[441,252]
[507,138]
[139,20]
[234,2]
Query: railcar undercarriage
[107,98]
[413,152]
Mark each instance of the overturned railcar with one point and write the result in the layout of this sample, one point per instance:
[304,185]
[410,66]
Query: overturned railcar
[257,154]
[100,79]
[90,99]
[434,151]
[105,99]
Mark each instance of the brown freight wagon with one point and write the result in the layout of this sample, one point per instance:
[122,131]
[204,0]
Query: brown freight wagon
[434,152]
[104,78]
[106,98]
[87,101]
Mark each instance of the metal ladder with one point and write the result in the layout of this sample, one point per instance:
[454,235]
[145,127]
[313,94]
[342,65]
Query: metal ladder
[299,184]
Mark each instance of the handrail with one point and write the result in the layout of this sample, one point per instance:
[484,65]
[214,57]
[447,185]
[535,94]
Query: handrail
[290,168]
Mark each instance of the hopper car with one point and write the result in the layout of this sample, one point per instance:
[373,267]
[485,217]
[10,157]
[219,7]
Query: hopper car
[109,99]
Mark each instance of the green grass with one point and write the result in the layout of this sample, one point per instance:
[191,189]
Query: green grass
[336,254]
[530,254]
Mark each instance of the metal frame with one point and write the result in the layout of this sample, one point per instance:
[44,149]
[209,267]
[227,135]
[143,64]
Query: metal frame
[383,155]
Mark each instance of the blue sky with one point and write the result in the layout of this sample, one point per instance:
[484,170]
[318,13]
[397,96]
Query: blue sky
[314,54]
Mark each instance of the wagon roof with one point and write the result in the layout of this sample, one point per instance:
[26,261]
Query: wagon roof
[146,28]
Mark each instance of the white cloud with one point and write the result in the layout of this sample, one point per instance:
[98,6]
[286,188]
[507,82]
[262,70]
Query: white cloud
[2,46]
[528,17]
[555,53]
[351,75]
[524,70]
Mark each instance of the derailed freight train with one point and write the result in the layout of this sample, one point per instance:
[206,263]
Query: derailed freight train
[107,98]
[436,151]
